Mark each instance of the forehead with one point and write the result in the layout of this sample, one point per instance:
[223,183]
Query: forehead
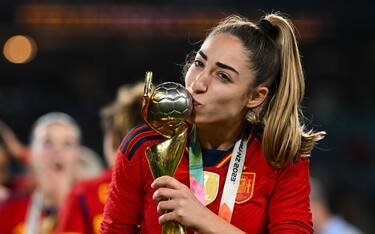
[225,47]
[56,130]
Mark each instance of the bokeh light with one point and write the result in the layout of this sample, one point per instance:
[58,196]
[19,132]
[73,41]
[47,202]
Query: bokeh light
[20,49]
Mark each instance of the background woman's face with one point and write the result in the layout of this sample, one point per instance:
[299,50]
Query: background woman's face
[219,80]
[55,152]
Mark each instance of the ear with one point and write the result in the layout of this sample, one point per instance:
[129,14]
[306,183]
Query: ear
[257,96]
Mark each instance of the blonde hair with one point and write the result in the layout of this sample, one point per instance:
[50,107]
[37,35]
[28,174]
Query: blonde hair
[54,118]
[274,57]
[124,113]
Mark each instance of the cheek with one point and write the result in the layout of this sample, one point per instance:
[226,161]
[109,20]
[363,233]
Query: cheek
[232,102]
[71,156]
[39,154]
[41,163]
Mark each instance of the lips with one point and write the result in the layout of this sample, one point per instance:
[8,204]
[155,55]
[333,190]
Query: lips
[196,103]
[58,166]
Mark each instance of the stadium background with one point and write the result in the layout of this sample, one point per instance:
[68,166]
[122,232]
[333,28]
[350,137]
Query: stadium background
[86,49]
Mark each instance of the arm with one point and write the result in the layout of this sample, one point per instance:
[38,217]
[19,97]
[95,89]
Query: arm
[16,149]
[289,207]
[123,208]
[186,209]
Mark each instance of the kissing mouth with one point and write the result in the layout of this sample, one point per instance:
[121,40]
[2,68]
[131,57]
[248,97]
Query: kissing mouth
[196,103]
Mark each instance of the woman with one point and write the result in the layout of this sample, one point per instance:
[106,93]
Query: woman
[55,148]
[247,84]
[83,209]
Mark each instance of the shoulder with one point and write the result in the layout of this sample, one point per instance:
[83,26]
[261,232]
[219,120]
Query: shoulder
[13,210]
[296,170]
[139,137]
[255,150]
[17,199]
[104,177]
[86,186]
[255,155]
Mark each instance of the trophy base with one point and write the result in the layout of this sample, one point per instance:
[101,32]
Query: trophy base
[172,228]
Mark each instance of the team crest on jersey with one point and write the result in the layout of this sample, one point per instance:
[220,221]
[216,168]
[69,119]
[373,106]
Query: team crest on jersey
[20,228]
[246,187]
[211,186]
[103,192]
[96,222]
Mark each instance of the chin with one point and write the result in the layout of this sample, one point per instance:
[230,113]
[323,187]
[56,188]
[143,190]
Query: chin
[192,118]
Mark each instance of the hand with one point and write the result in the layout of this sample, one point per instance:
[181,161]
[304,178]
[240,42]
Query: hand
[178,203]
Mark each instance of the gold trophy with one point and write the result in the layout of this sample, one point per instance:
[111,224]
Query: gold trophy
[165,109]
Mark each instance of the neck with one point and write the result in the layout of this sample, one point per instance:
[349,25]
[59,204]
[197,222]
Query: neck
[219,136]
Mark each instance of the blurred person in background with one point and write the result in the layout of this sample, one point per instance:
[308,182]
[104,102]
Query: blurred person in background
[4,173]
[15,157]
[54,156]
[90,164]
[83,209]
[324,221]
[14,146]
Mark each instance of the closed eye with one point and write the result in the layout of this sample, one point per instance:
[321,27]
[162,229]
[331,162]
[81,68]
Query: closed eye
[224,77]
[198,63]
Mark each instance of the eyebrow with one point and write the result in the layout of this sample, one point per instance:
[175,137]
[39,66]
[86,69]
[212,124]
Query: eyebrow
[203,55]
[219,64]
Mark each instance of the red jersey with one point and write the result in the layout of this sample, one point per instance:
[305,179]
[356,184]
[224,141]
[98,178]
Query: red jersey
[268,200]
[13,214]
[83,209]
[14,211]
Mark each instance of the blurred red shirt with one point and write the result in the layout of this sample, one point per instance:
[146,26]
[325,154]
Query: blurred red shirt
[14,211]
[268,200]
[83,209]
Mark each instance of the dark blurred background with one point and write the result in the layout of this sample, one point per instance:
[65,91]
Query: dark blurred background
[84,50]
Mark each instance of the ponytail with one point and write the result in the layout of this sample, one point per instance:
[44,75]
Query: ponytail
[274,57]
[284,136]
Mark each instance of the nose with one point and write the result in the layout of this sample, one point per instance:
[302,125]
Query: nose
[200,83]
[57,152]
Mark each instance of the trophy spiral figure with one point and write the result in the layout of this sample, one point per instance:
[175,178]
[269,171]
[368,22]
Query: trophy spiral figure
[165,110]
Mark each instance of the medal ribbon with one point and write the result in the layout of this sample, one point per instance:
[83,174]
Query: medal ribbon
[34,212]
[196,167]
[232,180]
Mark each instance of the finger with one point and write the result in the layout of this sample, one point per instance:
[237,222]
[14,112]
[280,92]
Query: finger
[170,216]
[166,206]
[166,181]
[164,194]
